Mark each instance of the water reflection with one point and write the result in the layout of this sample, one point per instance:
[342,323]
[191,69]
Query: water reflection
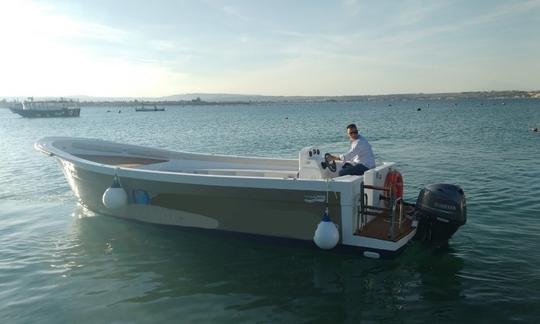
[439,269]
[124,264]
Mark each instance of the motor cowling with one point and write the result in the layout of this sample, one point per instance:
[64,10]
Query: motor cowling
[440,210]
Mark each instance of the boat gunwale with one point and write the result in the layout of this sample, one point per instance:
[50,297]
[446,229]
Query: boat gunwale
[45,145]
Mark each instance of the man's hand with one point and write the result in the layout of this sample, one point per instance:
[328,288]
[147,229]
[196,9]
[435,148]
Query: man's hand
[331,157]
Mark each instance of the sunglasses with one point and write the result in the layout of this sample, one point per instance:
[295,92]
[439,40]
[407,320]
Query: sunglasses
[353,132]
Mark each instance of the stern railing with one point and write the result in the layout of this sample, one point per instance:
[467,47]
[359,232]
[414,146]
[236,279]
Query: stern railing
[395,211]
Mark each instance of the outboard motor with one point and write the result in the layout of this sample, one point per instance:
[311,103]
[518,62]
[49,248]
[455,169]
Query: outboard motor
[440,211]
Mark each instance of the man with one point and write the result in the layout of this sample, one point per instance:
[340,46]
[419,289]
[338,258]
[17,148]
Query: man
[359,158]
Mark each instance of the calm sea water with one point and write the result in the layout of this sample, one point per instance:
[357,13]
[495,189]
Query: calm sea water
[61,263]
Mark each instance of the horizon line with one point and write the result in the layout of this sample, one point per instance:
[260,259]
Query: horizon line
[282,96]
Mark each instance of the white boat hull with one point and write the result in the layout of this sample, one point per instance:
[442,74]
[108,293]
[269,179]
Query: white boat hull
[252,196]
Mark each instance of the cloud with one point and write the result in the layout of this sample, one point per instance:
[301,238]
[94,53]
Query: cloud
[506,10]
[235,13]
[352,7]
[361,48]
[49,54]
[28,21]
[494,14]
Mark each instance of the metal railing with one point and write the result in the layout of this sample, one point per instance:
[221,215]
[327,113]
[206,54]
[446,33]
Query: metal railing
[395,210]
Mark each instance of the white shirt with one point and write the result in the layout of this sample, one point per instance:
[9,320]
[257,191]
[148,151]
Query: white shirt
[360,152]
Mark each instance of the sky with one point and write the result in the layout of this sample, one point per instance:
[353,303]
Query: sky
[141,48]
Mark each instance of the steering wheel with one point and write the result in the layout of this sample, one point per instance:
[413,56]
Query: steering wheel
[331,164]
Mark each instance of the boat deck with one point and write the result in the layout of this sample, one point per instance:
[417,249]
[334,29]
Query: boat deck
[380,228]
[120,161]
[161,165]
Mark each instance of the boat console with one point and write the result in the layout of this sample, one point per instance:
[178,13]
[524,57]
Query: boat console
[313,165]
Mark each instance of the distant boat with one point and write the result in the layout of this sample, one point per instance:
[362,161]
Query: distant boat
[149,109]
[31,108]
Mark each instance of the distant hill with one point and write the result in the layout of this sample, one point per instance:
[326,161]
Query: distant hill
[224,98]
[235,98]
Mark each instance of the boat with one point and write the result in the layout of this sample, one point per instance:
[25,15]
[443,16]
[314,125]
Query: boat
[150,109]
[296,200]
[31,108]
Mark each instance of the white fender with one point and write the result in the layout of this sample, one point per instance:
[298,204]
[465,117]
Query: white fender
[115,196]
[326,235]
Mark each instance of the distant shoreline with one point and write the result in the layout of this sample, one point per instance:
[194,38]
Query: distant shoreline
[231,99]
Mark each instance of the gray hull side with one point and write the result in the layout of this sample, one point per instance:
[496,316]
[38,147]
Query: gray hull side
[28,113]
[268,212]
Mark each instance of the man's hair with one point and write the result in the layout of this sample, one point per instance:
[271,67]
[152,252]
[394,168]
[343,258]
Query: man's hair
[351,126]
